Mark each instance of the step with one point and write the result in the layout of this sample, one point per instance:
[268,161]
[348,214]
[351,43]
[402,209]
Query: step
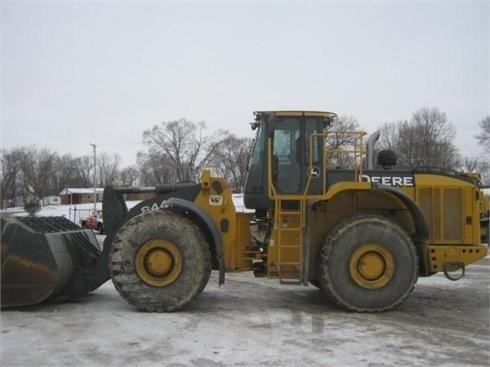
[290,281]
[286,268]
[289,213]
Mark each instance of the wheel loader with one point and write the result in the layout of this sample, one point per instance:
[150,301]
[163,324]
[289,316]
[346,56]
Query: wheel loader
[321,214]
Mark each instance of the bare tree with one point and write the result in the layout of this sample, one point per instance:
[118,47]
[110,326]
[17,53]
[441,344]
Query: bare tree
[479,165]
[341,142]
[484,136]
[84,166]
[390,135]
[342,124]
[471,164]
[38,168]
[155,169]
[129,176]
[484,170]
[183,144]
[72,172]
[107,168]
[426,140]
[231,159]
[63,171]
[38,172]
[10,176]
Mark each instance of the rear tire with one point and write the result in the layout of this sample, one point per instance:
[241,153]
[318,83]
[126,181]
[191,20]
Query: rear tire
[159,261]
[368,264]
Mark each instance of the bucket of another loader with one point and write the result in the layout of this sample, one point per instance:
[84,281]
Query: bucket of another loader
[46,258]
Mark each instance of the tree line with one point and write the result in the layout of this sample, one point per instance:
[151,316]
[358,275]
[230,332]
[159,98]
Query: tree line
[177,151]
[174,152]
[427,139]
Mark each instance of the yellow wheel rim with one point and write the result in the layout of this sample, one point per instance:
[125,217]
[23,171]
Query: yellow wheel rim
[371,266]
[158,262]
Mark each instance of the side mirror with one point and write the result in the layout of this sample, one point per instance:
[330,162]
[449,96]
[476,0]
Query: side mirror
[254,125]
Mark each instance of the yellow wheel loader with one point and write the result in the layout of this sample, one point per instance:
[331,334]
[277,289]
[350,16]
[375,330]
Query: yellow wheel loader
[320,214]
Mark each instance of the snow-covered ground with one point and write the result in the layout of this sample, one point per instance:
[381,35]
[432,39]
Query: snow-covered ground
[258,322]
[80,211]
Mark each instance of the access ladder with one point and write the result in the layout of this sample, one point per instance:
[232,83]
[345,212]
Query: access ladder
[290,225]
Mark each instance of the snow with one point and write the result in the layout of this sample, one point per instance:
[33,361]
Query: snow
[257,322]
[80,211]
[80,190]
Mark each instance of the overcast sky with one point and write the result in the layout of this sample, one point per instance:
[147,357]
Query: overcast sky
[75,73]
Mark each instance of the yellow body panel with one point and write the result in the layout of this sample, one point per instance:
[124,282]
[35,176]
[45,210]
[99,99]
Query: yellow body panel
[450,208]
[454,257]
[215,198]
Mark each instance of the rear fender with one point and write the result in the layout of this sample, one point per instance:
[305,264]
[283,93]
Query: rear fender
[421,234]
[421,228]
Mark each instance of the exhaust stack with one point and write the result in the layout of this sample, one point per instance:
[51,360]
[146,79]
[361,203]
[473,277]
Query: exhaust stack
[370,142]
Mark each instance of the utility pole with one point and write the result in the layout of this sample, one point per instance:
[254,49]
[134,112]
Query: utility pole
[94,147]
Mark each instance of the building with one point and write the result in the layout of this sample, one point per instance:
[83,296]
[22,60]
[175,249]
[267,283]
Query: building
[51,200]
[71,195]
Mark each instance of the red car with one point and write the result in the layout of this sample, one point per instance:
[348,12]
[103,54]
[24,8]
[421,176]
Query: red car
[94,222]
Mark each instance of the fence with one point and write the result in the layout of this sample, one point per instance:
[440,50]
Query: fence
[75,214]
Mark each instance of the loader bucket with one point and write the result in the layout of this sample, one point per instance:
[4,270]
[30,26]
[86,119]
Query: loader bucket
[45,258]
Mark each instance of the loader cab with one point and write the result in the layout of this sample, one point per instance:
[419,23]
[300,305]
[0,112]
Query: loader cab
[281,154]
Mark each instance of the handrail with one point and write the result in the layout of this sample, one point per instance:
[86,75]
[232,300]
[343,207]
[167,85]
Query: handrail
[271,188]
[357,152]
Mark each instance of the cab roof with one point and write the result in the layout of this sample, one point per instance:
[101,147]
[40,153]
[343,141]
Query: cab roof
[323,114]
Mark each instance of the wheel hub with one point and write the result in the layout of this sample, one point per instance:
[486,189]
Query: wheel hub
[371,266]
[158,262]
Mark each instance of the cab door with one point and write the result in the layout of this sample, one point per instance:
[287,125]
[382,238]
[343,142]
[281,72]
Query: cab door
[287,156]
[294,163]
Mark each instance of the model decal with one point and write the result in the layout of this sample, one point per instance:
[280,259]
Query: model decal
[155,206]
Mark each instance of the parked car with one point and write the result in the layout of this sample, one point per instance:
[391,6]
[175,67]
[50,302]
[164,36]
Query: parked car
[94,222]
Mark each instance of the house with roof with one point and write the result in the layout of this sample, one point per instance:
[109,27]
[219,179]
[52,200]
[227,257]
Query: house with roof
[51,200]
[72,195]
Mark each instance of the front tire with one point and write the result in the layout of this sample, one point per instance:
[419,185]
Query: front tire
[368,264]
[159,261]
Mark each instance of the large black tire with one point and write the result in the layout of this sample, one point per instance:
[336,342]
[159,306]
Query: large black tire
[356,244]
[184,237]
